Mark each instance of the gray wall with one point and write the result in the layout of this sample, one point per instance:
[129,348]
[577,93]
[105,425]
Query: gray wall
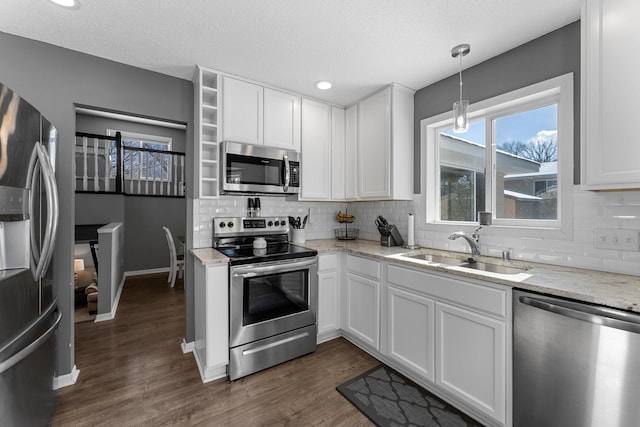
[99,208]
[549,56]
[145,247]
[145,244]
[53,79]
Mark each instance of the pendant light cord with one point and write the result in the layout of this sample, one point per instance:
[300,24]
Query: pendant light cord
[460,55]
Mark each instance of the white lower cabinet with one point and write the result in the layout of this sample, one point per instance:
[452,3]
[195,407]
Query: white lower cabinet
[362,299]
[411,328]
[470,358]
[451,333]
[328,297]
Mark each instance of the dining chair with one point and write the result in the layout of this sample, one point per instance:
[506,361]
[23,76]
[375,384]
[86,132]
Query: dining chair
[176,260]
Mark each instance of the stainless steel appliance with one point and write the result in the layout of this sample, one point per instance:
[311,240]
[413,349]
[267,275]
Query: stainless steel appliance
[28,221]
[574,364]
[273,295]
[257,169]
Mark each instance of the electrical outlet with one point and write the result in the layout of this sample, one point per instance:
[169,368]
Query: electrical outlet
[617,239]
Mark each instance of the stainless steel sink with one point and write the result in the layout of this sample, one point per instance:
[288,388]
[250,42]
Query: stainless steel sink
[493,268]
[439,259]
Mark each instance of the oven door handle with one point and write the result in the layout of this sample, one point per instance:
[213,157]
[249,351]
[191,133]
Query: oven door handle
[259,269]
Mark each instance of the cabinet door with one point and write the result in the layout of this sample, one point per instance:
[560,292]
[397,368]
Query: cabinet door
[316,150]
[610,90]
[328,306]
[281,120]
[374,150]
[241,111]
[470,360]
[363,309]
[351,147]
[337,154]
[411,328]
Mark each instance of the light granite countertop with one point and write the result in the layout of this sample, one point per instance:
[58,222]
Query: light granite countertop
[208,256]
[609,289]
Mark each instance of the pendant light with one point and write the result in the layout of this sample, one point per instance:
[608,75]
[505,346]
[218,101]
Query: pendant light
[460,108]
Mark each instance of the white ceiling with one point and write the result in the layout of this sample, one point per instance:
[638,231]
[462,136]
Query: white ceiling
[359,45]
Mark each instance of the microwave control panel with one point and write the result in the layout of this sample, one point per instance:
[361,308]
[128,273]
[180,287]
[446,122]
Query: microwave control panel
[294,168]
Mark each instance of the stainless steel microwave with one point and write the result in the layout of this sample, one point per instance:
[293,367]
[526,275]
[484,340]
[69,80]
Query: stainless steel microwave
[250,168]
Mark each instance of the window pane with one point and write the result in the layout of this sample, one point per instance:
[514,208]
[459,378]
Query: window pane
[462,177]
[527,164]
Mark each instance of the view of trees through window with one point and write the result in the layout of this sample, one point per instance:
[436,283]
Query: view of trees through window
[138,164]
[525,184]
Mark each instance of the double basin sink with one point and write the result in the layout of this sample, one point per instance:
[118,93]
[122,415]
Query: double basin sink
[469,263]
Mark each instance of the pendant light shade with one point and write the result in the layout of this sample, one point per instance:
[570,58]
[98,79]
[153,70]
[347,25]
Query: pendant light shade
[460,107]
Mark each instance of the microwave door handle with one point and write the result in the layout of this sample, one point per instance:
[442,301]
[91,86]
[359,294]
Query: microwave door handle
[287,173]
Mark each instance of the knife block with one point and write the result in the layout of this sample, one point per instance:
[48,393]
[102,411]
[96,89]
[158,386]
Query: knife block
[390,236]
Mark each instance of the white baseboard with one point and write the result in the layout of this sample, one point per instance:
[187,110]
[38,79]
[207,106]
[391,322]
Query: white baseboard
[112,315]
[187,347]
[67,379]
[149,271]
[328,336]
[209,374]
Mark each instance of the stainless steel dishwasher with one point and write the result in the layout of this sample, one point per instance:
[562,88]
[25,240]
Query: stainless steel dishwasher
[574,364]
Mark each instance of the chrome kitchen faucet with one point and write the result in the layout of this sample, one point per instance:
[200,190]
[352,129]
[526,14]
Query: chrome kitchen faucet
[473,241]
[484,218]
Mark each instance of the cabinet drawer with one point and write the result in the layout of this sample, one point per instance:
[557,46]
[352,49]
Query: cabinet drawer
[479,297]
[327,262]
[364,267]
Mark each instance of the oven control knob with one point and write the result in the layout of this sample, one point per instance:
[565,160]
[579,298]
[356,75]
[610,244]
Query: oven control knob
[270,223]
[222,225]
[277,223]
[230,224]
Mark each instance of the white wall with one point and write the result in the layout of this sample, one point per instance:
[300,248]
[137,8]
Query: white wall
[321,224]
[591,210]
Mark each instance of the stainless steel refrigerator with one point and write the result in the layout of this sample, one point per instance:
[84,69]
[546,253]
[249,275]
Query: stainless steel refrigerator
[29,315]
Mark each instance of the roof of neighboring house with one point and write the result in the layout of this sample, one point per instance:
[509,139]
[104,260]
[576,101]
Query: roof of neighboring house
[469,155]
[521,196]
[547,170]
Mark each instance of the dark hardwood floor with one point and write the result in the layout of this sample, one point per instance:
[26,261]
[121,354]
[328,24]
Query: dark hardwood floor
[133,372]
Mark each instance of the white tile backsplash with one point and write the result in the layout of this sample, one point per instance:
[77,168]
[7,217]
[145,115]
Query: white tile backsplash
[591,210]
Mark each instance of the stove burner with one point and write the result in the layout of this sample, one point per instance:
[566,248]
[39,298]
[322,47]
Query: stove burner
[236,240]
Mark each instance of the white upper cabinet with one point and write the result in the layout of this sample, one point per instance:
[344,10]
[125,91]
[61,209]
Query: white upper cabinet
[316,151]
[281,120]
[350,153]
[338,166]
[254,114]
[610,88]
[385,145]
[241,111]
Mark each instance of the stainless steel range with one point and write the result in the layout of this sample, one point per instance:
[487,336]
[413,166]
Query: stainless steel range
[273,293]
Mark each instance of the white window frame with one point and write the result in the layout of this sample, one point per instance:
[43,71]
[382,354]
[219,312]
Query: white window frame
[155,139]
[559,90]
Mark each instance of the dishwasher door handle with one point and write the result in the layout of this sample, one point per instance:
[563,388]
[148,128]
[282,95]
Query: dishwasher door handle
[587,313]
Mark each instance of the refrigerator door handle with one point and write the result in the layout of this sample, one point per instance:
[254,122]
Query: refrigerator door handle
[40,162]
[9,362]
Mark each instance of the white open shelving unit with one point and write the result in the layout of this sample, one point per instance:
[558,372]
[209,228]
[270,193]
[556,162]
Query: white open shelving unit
[207,102]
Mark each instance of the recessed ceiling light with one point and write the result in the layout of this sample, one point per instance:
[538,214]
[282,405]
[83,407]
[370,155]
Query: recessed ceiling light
[67,4]
[323,85]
